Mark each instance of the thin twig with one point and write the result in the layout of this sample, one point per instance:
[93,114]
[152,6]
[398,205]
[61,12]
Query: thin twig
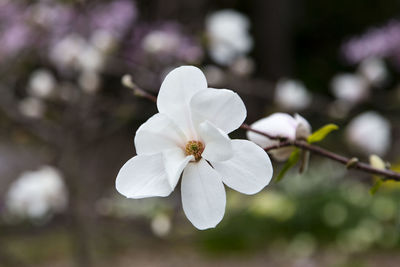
[385,173]
[127,81]
[284,142]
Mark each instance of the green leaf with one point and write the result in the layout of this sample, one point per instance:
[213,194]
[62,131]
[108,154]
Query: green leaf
[321,133]
[376,186]
[293,159]
[376,162]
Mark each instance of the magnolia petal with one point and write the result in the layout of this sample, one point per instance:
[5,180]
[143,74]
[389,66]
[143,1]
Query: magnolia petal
[157,134]
[248,171]
[143,176]
[303,129]
[224,108]
[175,161]
[203,195]
[277,124]
[217,143]
[175,93]
[281,154]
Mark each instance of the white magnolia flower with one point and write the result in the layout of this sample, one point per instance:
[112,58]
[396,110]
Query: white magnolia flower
[41,83]
[229,37]
[37,193]
[374,70]
[189,135]
[292,95]
[369,133]
[280,125]
[351,88]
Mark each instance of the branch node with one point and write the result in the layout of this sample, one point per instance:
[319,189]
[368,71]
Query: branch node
[351,163]
[127,81]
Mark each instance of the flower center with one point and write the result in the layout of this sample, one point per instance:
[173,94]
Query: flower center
[194,148]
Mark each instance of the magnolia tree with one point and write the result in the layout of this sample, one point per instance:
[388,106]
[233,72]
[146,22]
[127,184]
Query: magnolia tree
[60,89]
[188,140]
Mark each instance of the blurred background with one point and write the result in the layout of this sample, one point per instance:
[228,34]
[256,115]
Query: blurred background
[67,126]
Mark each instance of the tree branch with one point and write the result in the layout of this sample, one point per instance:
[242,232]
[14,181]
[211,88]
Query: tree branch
[284,142]
[385,173]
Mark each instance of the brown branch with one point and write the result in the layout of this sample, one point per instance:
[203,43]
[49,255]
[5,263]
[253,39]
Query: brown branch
[284,142]
[385,173]
[248,128]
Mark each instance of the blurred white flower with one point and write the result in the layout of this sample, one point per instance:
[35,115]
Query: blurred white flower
[158,42]
[189,135]
[31,107]
[243,66]
[41,83]
[42,14]
[369,133]
[66,52]
[74,51]
[161,225]
[37,193]
[280,125]
[374,70]
[215,75]
[292,95]
[89,81]
[351,88]
[91,59]
[229,38]
[103,40]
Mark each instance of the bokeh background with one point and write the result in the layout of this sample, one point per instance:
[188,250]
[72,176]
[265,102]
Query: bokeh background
[67,126]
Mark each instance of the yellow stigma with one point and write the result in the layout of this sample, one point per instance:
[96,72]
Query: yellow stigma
[194,148]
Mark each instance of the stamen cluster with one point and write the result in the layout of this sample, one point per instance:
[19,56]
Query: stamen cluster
[194,148]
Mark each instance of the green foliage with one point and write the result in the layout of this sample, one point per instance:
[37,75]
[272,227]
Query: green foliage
[293,159]
[346,217]
[376,186]
[321,133]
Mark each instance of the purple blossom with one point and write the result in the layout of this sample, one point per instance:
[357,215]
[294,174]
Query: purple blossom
[166,42]
[44,23]
[376,42]
[15,38]
[115,17]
